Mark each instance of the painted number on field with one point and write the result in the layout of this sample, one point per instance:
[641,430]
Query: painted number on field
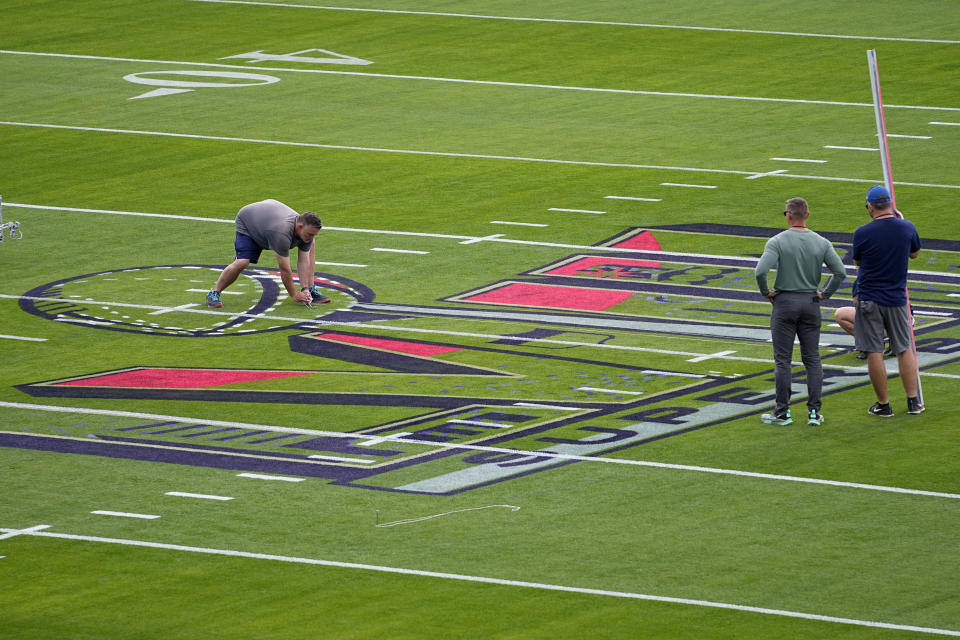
[170,85]
[329,57]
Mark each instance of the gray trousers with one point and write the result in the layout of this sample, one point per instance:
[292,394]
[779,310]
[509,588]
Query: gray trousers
[796,315]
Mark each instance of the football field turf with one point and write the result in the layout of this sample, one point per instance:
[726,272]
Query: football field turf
[532,407]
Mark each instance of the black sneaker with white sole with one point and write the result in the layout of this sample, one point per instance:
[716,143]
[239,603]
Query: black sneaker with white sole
[915,406]
[882,410]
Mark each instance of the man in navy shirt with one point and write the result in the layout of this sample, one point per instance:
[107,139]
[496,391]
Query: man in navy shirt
[882,250]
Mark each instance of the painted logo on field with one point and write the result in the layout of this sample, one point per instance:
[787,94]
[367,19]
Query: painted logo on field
[584,356]
[170,300]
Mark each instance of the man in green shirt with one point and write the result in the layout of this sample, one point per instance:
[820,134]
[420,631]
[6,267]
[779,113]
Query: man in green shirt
[798,255]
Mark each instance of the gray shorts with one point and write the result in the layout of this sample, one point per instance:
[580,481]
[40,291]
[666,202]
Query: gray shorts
[874,320]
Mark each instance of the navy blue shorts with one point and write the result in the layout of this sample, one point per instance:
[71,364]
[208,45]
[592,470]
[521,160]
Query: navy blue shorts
[247,248]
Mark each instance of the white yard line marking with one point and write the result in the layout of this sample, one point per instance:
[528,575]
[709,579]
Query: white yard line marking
[480,423]
[201,496]
[12,533]
[765,174]
[223,293]
[535,405]
[5,337]
[830,146]
[672,373]
[474,82]
[710,356]
[124,514]
[342,264]
[443,154]
[576,210]
[470,447]
[944,314]
[634,198]
[475,240]
[385,250]
[381,439]
[339,459]
[691,186]
[598,389]
[519,224]
[946,124]
[182,307]
[799,160]
[261,476]
[900,135]
[489,580]
[799,34]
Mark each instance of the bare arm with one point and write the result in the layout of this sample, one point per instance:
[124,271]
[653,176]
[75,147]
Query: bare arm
[286,276]
[306,266]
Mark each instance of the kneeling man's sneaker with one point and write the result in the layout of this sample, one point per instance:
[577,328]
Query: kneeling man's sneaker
[814,418]
[914,405]
[781,418]
[317,297]
[882,410]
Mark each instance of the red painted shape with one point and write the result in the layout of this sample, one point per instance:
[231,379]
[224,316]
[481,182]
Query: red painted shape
[581,267]
[556,297]
[400,346]
[156,378]
[643,241]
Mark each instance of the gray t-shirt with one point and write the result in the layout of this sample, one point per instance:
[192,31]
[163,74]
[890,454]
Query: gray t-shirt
[272,225]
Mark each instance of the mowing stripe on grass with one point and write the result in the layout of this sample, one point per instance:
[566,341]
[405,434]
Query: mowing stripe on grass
[449,154]
[41,532]
[500,450]
[524,85]
[606,23]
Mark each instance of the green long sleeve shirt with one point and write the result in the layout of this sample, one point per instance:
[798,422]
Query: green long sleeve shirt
[798,256]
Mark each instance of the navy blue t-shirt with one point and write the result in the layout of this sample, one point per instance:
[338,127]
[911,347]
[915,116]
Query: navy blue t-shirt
[883,248]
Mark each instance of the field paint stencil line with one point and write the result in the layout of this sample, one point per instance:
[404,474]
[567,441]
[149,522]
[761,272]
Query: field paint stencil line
[605,23]
[36,532]
[547,455]
[494,83]
[446,513]
[451,154]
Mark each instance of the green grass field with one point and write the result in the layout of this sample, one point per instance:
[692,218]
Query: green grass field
[532,408]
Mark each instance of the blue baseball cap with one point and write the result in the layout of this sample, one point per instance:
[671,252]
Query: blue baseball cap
[878,195]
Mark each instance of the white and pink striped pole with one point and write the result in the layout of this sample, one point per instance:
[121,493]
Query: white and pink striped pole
[888,181]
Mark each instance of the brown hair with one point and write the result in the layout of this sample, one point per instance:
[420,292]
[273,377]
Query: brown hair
[797,207]
[310,219]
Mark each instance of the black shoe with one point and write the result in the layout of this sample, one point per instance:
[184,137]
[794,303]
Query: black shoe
[317,297]
[888,352]
[882,410]
[781,418]
[860,355]
[914,405]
